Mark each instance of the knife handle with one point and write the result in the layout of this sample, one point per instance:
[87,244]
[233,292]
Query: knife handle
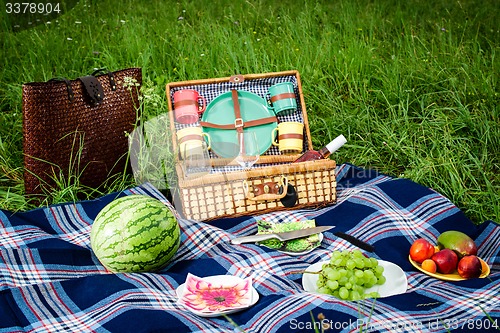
[252,238]
[355,241]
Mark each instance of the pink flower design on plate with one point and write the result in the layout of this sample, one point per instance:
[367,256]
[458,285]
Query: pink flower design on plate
[205,296]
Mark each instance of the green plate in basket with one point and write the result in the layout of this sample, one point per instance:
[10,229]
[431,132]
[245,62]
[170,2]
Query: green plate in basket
[220,111]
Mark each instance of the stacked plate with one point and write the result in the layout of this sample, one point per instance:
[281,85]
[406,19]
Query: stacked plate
[221,111]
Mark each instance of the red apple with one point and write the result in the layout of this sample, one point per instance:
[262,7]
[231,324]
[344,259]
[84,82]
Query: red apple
[446,261]
[420,250]
[469,267]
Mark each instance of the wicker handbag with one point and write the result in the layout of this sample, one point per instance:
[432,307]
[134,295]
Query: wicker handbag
[76,130]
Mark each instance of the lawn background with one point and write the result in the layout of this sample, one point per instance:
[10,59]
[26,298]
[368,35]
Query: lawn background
[413,85]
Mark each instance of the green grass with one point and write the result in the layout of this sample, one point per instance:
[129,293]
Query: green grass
[413,85]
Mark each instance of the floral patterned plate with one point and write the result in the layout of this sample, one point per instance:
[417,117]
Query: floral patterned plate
[216,295]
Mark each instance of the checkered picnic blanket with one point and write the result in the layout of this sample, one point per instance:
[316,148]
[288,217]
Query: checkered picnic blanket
[50,281]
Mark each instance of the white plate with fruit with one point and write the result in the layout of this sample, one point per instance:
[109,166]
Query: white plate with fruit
[393,282]
[453,259]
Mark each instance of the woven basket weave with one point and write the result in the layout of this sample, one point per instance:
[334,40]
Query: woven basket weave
[223,195]
[66,133]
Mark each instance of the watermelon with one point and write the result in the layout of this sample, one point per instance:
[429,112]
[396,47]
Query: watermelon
[136,233]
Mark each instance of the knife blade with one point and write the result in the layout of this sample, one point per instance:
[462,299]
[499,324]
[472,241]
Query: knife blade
[282,236]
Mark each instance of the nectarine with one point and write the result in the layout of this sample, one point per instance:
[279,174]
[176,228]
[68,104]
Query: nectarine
[446,261]
[469,267]
[420,250]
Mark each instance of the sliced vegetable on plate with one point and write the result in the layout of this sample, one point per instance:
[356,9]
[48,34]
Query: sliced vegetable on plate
[294,246]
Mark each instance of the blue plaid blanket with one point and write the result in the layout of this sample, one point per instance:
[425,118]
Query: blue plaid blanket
[50,281]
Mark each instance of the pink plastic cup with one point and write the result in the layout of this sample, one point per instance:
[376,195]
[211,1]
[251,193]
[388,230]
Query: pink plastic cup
[188,105]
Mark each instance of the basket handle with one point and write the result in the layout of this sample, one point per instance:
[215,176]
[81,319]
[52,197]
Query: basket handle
[266,191]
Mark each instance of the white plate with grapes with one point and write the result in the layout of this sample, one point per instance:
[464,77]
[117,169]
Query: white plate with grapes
[390,281]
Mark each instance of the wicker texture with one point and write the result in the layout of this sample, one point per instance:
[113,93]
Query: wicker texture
[77,137]
[222,193]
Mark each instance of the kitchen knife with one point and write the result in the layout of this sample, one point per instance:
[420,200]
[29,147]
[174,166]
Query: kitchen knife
[282,236]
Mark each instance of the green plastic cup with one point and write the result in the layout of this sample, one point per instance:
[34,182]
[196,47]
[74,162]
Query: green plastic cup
[283,99]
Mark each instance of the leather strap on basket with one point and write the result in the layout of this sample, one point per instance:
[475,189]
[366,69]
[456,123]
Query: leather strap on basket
[267,191]
[239,124]
[185,103]
[246,124]
[238,121]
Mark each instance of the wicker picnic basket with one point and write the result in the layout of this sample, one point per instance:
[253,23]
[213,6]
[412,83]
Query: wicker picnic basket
[231,191]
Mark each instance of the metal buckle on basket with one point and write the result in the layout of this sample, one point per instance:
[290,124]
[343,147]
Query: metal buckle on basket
[238,122]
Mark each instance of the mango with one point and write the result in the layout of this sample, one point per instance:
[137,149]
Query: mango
[457,241]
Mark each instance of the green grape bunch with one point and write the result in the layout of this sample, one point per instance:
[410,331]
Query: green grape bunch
[348,274]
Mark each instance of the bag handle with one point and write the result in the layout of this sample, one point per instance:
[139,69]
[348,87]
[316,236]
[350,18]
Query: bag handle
[71,95]
[111,76]
[92,87]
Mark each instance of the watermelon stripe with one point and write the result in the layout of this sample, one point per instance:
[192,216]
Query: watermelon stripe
[143,229]
[135,233]
[117,211]
[115,208]
[145,265]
